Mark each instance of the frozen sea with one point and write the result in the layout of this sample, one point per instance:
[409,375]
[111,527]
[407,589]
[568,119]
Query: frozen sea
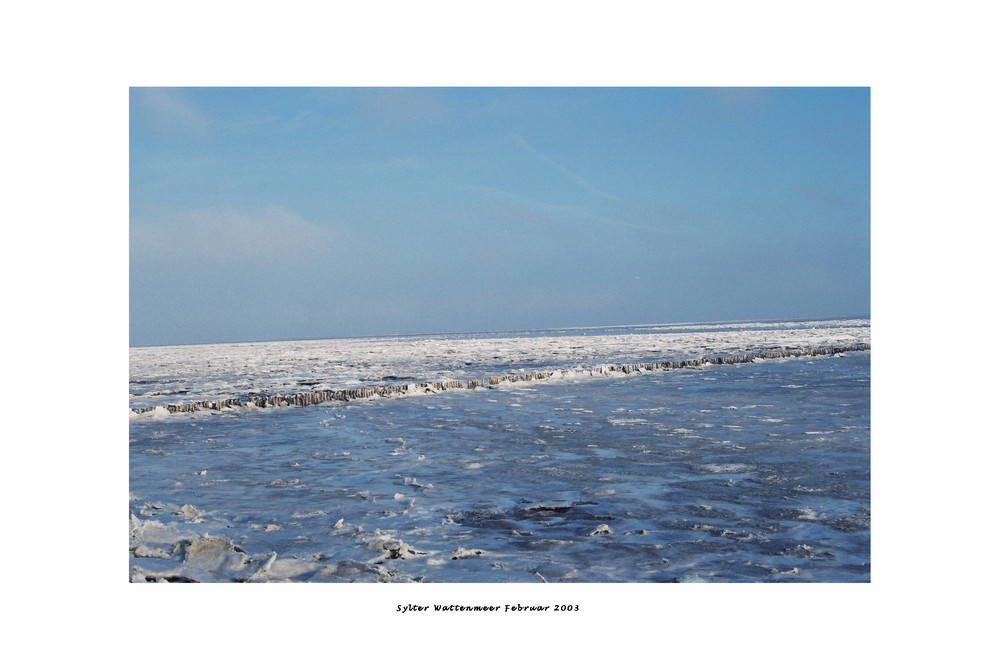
[746,472]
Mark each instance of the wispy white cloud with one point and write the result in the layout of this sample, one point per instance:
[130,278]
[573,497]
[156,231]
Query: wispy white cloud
[561,168]
[171,111]
[269,235]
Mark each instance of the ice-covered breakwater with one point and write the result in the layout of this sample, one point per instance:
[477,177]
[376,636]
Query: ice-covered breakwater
[316,397]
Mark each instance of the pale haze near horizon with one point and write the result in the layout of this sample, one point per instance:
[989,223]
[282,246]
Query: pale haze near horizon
[287,213]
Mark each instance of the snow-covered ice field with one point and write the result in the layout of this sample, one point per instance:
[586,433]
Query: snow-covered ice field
[756,471]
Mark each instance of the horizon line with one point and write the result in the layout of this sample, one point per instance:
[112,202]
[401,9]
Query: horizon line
[511,330]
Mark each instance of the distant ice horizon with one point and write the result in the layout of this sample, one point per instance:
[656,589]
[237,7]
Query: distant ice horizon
[516,329]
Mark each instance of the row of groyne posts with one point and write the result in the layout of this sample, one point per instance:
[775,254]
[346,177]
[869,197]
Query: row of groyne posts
[323,396]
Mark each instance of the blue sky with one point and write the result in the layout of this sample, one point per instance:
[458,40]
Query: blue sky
[290,213]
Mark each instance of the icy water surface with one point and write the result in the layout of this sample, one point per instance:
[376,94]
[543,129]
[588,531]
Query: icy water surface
[748,472]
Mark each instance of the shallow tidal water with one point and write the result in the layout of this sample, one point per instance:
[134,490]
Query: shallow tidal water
[725,473]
